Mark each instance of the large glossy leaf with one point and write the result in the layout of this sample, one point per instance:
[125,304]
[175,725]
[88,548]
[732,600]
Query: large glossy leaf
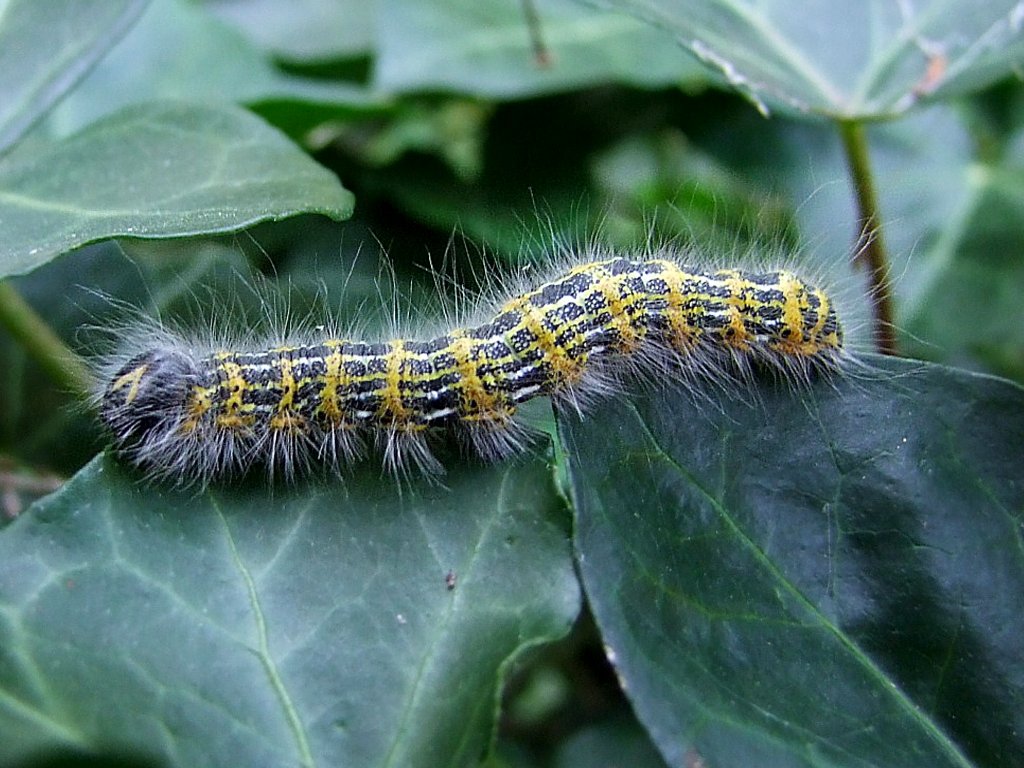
[156,170]
[832,577]
[845,59]
[45,48]
[484,47]
[348,624]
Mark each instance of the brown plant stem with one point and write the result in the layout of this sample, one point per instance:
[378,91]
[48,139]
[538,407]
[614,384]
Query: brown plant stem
[541,52]
[872,245]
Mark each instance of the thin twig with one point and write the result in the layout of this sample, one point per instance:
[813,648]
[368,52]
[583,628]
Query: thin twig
[541,53]
[873,251]
[42,344]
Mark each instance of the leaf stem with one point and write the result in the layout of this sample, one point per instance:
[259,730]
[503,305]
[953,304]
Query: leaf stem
[42,344]
[872,244]
[541,52]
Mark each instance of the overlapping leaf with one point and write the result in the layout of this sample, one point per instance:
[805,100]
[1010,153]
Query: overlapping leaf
[178,51]
[45,48]
[338,625]
[484,47]
[824,578]
[845,60]
[156,170]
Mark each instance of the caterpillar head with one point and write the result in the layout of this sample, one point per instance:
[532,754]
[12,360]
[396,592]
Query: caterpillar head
[143,403]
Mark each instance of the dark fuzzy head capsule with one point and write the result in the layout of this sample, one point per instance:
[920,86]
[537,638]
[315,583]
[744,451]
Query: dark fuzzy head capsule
[146,397]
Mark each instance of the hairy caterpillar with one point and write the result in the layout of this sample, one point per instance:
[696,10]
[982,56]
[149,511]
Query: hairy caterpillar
[192,416]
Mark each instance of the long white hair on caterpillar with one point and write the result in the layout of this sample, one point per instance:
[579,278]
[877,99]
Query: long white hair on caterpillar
[197,405]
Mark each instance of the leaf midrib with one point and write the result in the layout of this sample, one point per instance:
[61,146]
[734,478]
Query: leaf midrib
[263,651]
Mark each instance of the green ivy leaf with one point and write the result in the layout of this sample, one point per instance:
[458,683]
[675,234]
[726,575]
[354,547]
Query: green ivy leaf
[483,47]
[156,170]
[177,51]
[830,577]
[355,624]
[303,30]
[968,297]
[45,48]
[848,60]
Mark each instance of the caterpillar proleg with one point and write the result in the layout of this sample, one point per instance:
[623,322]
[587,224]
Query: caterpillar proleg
[192,415]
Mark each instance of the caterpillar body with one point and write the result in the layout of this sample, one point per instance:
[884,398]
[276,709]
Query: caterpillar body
[194,416]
